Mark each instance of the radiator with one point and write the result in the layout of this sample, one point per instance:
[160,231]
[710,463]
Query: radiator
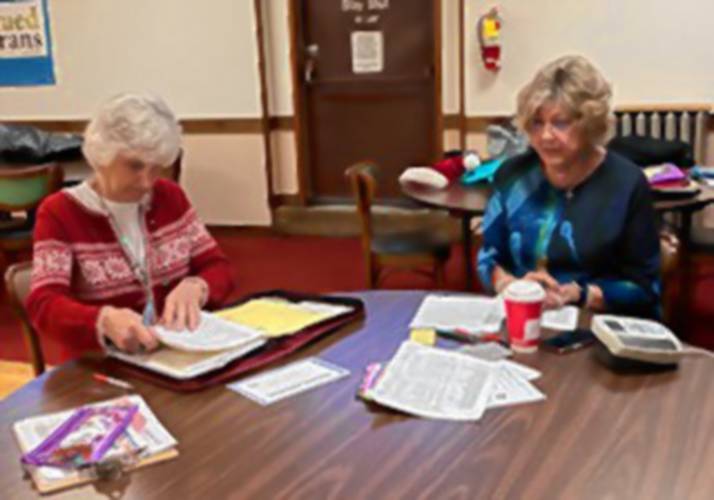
[688,124]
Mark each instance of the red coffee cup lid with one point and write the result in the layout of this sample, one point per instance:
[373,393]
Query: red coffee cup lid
[524,291]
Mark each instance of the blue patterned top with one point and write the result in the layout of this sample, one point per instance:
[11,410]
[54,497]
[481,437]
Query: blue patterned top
[603,233]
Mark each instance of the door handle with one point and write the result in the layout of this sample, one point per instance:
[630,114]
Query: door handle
[311,53]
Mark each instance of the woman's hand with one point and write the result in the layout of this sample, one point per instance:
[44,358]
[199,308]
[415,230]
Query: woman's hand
[553,296]
[126,329]
[182,308]
[570,292]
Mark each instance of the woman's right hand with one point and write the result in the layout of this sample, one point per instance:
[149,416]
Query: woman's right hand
[126,329]
[553,298]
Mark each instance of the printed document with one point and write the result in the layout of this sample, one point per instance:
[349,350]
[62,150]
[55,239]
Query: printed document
[471,313]
[565,318]
[510,388]
[489,351]
[289,380]
[435,383]
[212,334]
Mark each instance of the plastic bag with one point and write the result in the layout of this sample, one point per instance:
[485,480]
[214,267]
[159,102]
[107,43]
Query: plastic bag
[23,145]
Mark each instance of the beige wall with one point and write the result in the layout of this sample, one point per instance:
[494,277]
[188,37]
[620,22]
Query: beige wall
[201,58]
[224,175]
[654,51]
[204,62]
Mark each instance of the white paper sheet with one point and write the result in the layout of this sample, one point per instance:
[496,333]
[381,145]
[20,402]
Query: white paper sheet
[280,383]
[565,318]
[435,383]
[213,334]
[523,371]
[471,313]
[489,351]
[509,388]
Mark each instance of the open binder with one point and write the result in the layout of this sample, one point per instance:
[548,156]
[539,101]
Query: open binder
[227,366]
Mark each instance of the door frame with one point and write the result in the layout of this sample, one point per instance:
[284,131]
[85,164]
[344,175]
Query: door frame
[302,154]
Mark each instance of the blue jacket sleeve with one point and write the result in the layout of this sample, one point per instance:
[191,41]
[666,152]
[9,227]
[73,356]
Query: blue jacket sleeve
[494,251]
[636,290]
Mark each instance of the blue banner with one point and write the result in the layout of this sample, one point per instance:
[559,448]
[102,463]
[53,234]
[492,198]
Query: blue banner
[25,43]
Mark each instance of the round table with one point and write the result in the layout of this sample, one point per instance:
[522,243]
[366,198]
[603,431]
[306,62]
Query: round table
[461,201]
[598,434]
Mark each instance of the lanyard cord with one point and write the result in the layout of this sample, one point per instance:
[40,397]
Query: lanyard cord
[139,268]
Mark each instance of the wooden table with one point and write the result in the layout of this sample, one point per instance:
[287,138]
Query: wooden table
[598,435]
[462,202]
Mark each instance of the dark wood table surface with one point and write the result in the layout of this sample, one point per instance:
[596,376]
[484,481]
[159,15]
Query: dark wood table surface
[598,435]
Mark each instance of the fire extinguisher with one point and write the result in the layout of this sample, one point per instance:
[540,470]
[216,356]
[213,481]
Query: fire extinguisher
[489,34]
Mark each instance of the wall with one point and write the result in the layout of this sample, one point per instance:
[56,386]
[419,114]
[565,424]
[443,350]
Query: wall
[652,50]
[202,58]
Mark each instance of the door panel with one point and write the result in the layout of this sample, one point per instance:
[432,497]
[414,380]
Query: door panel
[385,111]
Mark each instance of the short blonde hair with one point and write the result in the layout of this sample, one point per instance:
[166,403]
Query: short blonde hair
[574,83]
[139,124]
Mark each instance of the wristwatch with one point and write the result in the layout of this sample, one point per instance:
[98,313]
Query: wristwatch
[583,298]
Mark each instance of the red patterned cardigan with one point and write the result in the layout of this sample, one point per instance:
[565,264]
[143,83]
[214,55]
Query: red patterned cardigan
[78,265]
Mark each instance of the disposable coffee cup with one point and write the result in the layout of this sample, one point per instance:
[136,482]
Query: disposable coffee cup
[524,306]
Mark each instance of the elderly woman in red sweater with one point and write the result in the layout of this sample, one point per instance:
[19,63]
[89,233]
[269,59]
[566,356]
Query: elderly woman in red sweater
[125,249]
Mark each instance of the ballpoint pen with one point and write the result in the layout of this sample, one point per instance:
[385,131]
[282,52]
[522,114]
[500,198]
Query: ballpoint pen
[100,377]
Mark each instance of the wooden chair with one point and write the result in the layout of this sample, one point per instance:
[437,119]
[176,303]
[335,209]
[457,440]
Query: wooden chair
[404,250]
[22,190]
[669,262]
[173,173]
[17,283]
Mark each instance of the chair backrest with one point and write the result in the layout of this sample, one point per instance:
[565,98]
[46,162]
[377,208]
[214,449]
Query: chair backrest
[17,283]
[364,186]
[24,188]
[669,261]
[173,172]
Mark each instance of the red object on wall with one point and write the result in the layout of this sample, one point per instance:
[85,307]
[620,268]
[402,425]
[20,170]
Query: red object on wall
[489,37]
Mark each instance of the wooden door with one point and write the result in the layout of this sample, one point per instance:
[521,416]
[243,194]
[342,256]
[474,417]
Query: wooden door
[366,72]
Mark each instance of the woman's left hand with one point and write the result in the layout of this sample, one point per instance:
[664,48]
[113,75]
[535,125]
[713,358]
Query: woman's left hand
[569,293]
[182,308]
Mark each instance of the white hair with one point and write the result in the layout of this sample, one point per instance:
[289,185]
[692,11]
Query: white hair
[139,124]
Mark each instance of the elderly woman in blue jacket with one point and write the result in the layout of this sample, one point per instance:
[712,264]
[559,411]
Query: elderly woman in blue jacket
[569,214]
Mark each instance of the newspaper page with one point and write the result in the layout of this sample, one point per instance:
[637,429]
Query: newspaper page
[145,433]
[213,334]
[471,313]
[289,380]
[435,383]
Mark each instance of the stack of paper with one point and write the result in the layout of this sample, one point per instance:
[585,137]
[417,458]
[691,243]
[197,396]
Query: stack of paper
[277,317]
[146,435]
[227,335]
[469,313]
[213,334]
[437,383]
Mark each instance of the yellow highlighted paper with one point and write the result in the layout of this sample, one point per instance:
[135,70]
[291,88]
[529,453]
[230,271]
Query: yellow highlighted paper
[274,318]
[425,336]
